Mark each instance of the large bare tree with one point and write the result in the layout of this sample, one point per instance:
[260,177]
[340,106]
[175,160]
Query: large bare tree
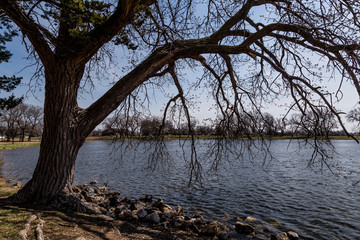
[281,39]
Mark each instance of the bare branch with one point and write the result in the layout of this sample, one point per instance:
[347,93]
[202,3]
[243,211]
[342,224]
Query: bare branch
[30,29]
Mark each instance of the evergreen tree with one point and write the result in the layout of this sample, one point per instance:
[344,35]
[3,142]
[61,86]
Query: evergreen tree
[7,84]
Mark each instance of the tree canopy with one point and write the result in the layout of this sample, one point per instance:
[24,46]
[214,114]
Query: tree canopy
[250,52]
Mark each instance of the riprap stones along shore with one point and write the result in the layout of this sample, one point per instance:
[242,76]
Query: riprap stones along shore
[146,210]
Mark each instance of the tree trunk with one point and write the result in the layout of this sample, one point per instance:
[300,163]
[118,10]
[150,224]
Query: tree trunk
[22,135]
[61,140]
[54,172]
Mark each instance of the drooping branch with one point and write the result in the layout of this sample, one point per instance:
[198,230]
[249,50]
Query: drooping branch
[273,61]
[195,167]
[181,95]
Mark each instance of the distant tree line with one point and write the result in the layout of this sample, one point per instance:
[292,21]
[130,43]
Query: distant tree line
[26,121]
[22,121]
[313,123]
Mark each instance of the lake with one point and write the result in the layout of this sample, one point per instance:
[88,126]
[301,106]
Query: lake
[282,194]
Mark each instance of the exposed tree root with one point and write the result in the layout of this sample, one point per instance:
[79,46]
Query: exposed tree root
[39,230]
[24,232]
[70,202]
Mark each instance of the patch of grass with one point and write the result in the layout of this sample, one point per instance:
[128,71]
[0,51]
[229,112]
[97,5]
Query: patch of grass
[100,138]
[12,220]
[9,145]
[6,191]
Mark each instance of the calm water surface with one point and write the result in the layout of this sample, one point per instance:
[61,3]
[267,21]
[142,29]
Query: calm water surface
[283,194]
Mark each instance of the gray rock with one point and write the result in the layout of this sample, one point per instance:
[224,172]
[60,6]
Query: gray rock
[18,184]
[111,211]
[151,209]
[199,221]
[93,182]
[94,198]
[164,224]
[88,190]
[159,203]
[189,225]
[142,213]
[178,221]
[198,215]
[114,201]
[77,189]
[105,203]
[292,235]
[178,209]
[153,217]
[146,198]
[244,228]
[210,229]
[280,236]
[112,194]
[103,210]
[215,228]
[223,235]
[137,205]
[123,213]
[120,208]
[166,207]
[126,200]
[134,214]
[250,219]
[93,207]
[168,214]
[101,189]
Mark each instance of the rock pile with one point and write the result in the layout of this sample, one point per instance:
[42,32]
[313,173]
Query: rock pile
[110,206]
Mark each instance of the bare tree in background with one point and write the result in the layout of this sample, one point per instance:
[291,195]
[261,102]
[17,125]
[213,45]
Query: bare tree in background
[10,119]
[354,116]
[22,120]
[314,124]
[251,51]
[34,114]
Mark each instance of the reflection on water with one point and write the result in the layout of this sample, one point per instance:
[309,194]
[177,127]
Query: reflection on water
[283,194]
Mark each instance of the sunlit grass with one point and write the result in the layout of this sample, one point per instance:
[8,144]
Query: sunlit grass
[9,145]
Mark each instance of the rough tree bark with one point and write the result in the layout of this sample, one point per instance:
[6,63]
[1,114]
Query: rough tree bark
[61,138]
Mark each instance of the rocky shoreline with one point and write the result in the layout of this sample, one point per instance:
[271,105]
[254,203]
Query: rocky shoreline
[155,212]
